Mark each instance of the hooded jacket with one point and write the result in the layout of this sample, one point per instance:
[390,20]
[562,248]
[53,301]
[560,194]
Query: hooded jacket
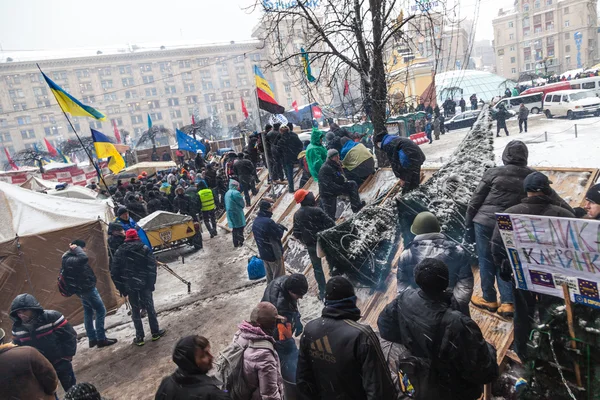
[188,382]
[288,147]
[331,179]
[234,204]
[78,274]
[261,366]
[49,331]
[134,268]
[429,328]
[404,155]
[356,156]
[26,374]
[316,154]
[309,220]
[502,187]
[342,359]
[268,234]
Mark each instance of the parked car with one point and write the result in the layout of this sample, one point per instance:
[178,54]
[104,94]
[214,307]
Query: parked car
[531,101]
[572,103]
[462,120]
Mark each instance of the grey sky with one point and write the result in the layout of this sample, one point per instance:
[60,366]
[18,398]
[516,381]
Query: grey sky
[60,24]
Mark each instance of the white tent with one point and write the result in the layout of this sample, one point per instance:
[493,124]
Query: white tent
[75,192]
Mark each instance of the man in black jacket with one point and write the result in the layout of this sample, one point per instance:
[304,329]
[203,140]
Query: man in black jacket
[190,380]
[272,138]
[267,235]
[289,146]
[246,174]
[181,202]
[253,147]
[309,220]
[134,274]
[405,157]
[435,332]
[81,281]
[116,237]
[592,202]
[48,331]
[537,202]
[136,207]
[333,183]
[340,358]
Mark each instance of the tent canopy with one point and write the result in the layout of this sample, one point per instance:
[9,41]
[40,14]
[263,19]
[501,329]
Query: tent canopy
[24,212]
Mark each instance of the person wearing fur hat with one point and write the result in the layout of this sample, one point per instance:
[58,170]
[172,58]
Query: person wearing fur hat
[425,321]
[340,358]
[592,202]
[134,274]
[333,183]
[309,220]
[236,219]
[268,235]
[25,373]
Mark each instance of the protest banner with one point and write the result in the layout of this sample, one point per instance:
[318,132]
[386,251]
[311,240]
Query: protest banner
[548,252]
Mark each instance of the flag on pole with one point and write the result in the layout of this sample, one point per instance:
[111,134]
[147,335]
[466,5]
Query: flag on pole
[105,149]
[13,165]
[306,64]
[149,122]
[50,148]
[186,142]
[70,104]
[193,120]
[116,130]
[266,98]
[65,159]
[295,105]
[244,109]
[346,88]
[316,111]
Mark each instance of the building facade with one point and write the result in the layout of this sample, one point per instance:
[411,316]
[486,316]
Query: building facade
[170,85]
[547,36]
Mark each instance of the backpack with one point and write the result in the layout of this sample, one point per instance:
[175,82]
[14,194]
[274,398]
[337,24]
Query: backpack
[230,368]
[63,288]
[256,268]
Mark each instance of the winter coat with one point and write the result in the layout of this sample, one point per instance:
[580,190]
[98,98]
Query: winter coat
[335,143]
[244,170]
[130,224]
[404,155]
[181,204]
[182,385]
[288,147]
[211,177]
[502,187]
[137,209]
[267,234]
[78,274]
[253,148]
[134,268]
[316,154]
[429,328]
[192,194]
[25,374]
[356,155]
[114,242]
[261,366]
[199,162]
[346,148]
[523,113]
[433,245]
[501,118]
[272,139]
[308,222]
[535,205]
[342,359]
[49,332]
[234,205]
[278,295]
[331,179]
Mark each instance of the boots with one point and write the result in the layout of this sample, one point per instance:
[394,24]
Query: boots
[506,310]
[480,302]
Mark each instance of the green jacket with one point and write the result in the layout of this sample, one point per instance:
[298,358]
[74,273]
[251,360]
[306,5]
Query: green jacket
[316,154]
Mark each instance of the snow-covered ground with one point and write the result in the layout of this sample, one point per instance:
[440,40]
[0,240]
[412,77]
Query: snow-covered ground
[562,148]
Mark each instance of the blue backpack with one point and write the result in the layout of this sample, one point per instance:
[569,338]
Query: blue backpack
[256,268]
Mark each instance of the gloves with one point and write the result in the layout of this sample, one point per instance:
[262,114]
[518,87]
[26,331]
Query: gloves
[506,271]
[469,235]
[284,330]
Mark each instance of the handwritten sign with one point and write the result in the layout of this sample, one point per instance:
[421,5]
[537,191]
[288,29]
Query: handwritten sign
[547,252]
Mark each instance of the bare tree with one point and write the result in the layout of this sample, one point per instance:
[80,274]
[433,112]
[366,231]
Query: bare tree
[152,134]
[29,158]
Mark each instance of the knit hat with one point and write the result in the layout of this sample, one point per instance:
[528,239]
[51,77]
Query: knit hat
[432,276]
[379,137]
[121,210]
[297,284]
[131,235]
[265,205]
[78,242]
[537,182]
[114,227]
[83,391]
[425,222]
[593,194]
[338,288]
[300,195]
[332,153]
[329,136]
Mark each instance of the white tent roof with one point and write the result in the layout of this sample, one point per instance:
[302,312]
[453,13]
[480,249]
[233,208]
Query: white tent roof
[38,184]
[74,192]
[24,212]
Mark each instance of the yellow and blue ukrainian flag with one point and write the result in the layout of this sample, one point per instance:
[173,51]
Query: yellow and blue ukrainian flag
[70,104]
[105,149]
[306,65]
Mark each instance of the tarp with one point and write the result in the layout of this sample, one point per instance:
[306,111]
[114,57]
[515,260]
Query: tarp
[75,192]
[38,184]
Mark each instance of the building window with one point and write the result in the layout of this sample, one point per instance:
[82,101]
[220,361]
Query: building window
[207,85]
[170,90]
[106,71]
[550,51]
[231,119]
[35,78]
[27,134]
[89,99]
[513,70]
[241,70]
[156,116]
[191,99]
[185,64]
[146,67]
[567,35]
[148,79]
[113,109]
[127,82]
[125,69]
[568,60]
[56,75]
[153,104]
[527,54]
[173,102]
[116,121]
[151,92]
[227,95]
[243,81]
[110,97]
[16,93]
[205,74]
[500,52]
[133,107]
[567,49]
[238,59]
[255,57]
[537,4]
[51,131]
[513,60]
[187,76]
[19,106]
[175,113]
[548,2]
[3,122]
[82,73]
[288,86]
[510,24]
[164,66]
[512,48]
[209,97]
[107,84]
[96,124]
[24,120]
[567,24]
[5,137]
[223,71]
[229,107]
[203,61]
[40,91]
[511,36]
[131,94]
[526,7]
[225,84]
[137,119]
[189,87]
[566,10]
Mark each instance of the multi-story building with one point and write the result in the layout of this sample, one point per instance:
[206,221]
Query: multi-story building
[548,36]
[170,85]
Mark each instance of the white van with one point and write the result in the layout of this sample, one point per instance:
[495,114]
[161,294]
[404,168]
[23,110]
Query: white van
[571,103]
[531,101]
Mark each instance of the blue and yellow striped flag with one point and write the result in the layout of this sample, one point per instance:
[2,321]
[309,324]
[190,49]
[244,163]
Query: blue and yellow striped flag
[306,64]
[70,104]
[105,149]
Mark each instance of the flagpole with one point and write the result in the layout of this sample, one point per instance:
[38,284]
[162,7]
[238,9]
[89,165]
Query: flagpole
[264,143]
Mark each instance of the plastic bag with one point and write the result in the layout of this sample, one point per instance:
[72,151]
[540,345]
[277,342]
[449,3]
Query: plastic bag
[256,268]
